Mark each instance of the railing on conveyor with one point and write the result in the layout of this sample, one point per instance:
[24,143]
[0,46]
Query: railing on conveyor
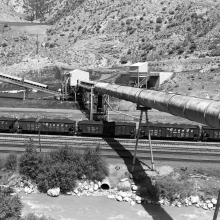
[18,82]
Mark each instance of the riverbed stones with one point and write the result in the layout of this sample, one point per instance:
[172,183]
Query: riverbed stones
[124,185]
[95,187]
[119,198]
[214,201]
[28,190]
[210,205]
[111,196]
[194,199]
[53,192]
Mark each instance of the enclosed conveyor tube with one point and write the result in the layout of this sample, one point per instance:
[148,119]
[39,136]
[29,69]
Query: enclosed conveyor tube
[195,109]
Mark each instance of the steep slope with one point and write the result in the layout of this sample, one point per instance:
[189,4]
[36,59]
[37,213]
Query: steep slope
[7,13]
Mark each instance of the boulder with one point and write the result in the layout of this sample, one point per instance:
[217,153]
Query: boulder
[111,196]
[123,194]
[161,202]
[119,198]
[205,207]
[127,199]
[124,186]
[210,205]
[137,198]
[194,199]
[86,187]
[214,201]
[134,187]
[132,203]
[27,190]
[53,192]
[91,189]
[197,205]
[95,187]
[123,180]
[208,201]
[76,191]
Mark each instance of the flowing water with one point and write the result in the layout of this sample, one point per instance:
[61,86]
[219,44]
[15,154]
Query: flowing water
[102,208]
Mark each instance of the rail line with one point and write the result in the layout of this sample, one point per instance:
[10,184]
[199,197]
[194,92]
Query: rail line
[116,150]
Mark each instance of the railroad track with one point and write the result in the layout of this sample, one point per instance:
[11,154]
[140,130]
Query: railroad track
[109,140]
[117,150]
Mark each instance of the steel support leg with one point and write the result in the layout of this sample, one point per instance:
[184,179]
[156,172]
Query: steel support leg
[91,105]
[136,145]
[149,139]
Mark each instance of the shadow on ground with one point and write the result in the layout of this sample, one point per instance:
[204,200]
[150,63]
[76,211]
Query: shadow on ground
[155,211]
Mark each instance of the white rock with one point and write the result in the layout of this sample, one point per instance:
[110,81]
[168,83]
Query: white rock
[111,196]
[189,203]
[208,201]
[127,199]
[125,179]
[76,191]
[134,188]
[205,207]
[123,194]
[197,205]
[99,184]
[86,187]
[161,201]
[69,193]
[210,205]
[194,199]
[53,192]
[138,201]
[27,190]
[96,187]
[119,198]
[179,205]
[91,190]
[137,198]
[214,201]
[132,203]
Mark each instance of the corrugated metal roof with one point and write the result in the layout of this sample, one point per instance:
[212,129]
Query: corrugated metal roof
[90,122]
[77,71]
[138,64]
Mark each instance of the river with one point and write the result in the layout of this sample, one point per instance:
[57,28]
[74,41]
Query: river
[102,208]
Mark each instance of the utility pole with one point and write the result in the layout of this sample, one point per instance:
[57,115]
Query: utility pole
[39,136]
[37,42]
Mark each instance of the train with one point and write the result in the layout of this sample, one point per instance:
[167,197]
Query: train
[163,131]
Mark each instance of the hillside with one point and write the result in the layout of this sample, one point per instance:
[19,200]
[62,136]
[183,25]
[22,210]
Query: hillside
[174,35]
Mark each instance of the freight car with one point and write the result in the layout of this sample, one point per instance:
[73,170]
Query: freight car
[171,131]
[103,128]
[47,126]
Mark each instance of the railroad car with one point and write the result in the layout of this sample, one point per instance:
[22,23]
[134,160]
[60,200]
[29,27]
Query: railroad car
[57,126]
[171,131]
[28,125]
[104,128]
[7,124]
[210,134]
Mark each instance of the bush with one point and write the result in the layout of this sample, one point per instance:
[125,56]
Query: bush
[159,20]
[31,161]
[171,188]
[124,60]
[11,162]
[59,174]
[10,206]
[64,166]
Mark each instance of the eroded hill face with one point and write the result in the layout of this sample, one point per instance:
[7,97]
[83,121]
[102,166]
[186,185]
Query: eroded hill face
[7,13]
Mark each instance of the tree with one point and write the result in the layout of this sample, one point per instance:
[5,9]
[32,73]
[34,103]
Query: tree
[37,9]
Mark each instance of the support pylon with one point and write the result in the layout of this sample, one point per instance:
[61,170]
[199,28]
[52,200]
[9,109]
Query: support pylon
[143,109]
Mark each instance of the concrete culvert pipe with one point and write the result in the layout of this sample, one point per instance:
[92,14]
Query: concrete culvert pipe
[106,185]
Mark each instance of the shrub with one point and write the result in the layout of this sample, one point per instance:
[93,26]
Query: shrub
[171,188]
[11,162]
[95,168]
[124,60]
[10,206]
[59,174]
[31,161]
[159,20]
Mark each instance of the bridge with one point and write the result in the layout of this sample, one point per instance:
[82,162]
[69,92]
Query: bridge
[27,84]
